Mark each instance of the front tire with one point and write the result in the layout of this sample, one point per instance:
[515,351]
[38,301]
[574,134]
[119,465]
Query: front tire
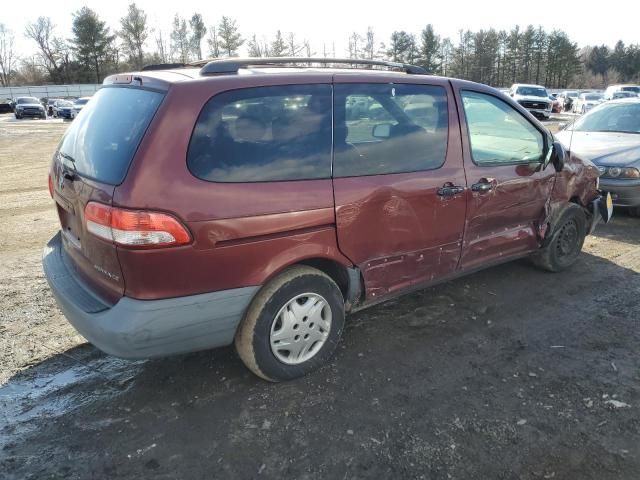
[567,239]
[292,326]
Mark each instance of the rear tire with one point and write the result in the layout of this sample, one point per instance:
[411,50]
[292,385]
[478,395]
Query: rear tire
[566,241]
[302,308]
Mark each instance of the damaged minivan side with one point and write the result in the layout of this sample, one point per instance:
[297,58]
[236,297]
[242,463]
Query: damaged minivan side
[233,201]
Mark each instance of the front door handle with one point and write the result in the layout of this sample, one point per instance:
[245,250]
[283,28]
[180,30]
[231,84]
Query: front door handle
[484,185]
[449,189]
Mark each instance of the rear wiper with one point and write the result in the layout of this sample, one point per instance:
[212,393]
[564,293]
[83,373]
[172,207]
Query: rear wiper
[68,174]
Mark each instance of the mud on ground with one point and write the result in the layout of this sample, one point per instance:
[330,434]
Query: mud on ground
[511,373]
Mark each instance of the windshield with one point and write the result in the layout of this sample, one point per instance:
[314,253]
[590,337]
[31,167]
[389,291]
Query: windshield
[103,140]
[27,100]
[572,94]
[63,103]
[82,101]
[593,97]
[532,91]
[624,95]
[611,117]
[631,89]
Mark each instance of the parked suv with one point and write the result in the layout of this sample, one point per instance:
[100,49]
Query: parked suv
[29,107]
[532,97]
[241,202]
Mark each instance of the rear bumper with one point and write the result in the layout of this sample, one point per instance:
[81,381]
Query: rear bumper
[144,328]
[625,193]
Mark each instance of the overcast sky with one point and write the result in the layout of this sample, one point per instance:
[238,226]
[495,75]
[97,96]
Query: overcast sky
[328,21]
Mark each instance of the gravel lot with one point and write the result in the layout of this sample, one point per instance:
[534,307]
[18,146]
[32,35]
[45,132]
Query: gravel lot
[510,373]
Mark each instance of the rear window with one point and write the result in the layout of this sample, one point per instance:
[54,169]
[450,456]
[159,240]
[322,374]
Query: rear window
[389,128]
[264,134]
[102,141]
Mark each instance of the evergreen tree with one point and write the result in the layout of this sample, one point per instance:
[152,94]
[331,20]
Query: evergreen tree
[429,54]
[198,31]
[91,41]
[230,38]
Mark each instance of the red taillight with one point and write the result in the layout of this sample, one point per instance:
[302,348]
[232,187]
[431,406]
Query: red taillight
[134,228]
[50,186]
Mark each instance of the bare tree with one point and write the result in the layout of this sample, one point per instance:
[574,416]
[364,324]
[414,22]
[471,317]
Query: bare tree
[7,55]
[294,48]
[134,32]
[214,43]
[180,45]
[163,48]
[354,45]
[42,32]
[370,44]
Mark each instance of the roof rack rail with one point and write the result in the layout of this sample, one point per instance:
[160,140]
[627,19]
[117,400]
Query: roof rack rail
[232,65]
[163,66]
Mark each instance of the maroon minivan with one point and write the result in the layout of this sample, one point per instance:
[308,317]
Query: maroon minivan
[237,200]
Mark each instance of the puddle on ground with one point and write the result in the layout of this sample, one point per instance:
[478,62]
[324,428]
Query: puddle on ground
[47,396]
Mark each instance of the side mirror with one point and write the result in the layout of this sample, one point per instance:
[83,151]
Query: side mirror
[555,155]
[381,130]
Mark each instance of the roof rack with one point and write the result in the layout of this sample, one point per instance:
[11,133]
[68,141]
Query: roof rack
[232,65]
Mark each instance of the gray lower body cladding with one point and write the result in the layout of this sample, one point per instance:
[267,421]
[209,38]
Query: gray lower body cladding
[145,328]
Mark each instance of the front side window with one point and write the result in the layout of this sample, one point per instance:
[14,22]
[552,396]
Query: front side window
[264,134]
[498,133]
[389,128]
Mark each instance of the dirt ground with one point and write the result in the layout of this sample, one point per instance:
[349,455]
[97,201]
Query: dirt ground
[510,373]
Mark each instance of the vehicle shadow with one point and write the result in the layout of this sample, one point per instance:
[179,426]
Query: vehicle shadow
[457,364]
[623,228]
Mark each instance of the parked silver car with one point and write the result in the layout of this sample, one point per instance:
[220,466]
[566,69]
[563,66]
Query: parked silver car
[609,136]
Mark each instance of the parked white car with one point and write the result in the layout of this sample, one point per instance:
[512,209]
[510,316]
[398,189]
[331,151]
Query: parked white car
[586,101]
[534,98]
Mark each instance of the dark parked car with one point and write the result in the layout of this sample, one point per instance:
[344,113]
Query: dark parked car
[63,109]
[201,207]
[6,105]
[29,107]
[609,136]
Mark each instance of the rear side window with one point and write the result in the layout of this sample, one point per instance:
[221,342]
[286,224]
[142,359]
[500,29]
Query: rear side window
[389,128]
[102,141]
[264,134]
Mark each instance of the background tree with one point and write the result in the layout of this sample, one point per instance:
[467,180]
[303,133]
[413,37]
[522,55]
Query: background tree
[400,47]
[7,56]
[91,41]
[230,38]
[369,49]
[42,32]
[162,47]
[180,41]
[293,48]
[134,33]
[198,31]
[429,53]
[214,43]
[254,47]
[598,61]
[278,46]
